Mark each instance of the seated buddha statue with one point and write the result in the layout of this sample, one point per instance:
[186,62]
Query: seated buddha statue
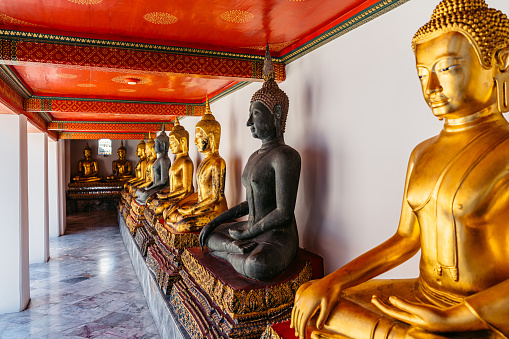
[266,244]
[151,158]
[122,168]
[455,204]
[181,173]
[139,169]
[160,168]
[193,212]
[87,168]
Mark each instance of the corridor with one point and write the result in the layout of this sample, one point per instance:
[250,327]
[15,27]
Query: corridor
[88,289]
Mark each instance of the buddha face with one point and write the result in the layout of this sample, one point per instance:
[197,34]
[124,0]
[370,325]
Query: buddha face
[159,147]
[261,121]
[121,154]
[140,152]
[175,146]
[202,140]
[87,154]
[454,83]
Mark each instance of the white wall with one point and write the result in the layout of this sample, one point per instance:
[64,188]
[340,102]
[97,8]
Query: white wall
[356,113]
[38,197]
[14,250]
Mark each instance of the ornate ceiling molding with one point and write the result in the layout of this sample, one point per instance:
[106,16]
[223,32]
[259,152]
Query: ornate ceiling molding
[108,127]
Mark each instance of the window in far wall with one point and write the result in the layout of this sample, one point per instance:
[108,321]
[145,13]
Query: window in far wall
[104,147]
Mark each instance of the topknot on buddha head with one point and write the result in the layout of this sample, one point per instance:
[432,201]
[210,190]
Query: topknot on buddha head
[163,139]
[179,131]
[486,28]
[270,95]
[209,124]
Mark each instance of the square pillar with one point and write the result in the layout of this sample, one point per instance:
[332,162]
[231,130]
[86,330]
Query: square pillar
[14,243]
[38,197]
[53,192]
[62,183]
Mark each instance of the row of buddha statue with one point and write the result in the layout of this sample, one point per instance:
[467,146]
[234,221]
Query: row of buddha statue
[455,209]
[88,168]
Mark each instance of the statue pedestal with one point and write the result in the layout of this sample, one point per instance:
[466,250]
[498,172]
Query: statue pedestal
[165,256]
[136,217]
[213,300]
[93,196]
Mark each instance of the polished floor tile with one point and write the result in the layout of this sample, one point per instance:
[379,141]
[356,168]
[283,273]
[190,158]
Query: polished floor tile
[88,289]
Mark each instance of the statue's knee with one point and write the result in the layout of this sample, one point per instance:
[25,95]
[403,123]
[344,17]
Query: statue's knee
[262,266]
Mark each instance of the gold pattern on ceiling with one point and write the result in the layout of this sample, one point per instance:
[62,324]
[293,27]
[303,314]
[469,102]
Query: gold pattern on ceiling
[237,16]
[66,76]
[166,89]
[5,19]
[122,79]
[86,85]
[275,47]
[86,2]
[160,18]
[127,90]
[190,83]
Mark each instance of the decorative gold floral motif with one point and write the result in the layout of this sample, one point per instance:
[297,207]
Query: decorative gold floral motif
[86,85]
[86,2]
[127,90]
[190,83]
[237,16]
[160,18]
[122,79]
[166,89]
[10,20]
[66,76]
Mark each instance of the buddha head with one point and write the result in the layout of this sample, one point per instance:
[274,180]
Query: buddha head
[270,98]
[162,142]
[140,150]
[149,147]
[462,58]
[87,152]
[179,139]
[208,132]
[121,152]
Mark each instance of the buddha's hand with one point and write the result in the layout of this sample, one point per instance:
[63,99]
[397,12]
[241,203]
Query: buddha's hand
[315,296]
[431,318]
[185,211]
[205,233]
[241,233]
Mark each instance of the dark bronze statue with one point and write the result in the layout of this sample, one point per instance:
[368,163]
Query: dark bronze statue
[266,244]
[160,174]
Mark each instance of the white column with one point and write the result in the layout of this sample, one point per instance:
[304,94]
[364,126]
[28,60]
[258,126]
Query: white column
[38,197]
[62,184]
[53,192]
[14,246]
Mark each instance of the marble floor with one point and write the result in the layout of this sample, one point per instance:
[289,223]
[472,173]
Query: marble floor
[88,289]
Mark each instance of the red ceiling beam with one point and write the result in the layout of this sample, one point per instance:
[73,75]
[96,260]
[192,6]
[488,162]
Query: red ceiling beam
[10,99]
[111,107]
[106,127]
[20,52]
[95,136]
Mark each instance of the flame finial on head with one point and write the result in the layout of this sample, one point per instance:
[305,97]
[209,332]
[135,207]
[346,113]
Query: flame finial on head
[268,67]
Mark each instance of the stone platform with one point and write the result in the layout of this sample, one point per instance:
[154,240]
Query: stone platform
[163,315]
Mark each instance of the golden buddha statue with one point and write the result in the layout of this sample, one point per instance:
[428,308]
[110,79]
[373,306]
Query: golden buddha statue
[193,212]
[121,167]
[151,158]
[87,168]
[139,169]
[455,205]
[181,173]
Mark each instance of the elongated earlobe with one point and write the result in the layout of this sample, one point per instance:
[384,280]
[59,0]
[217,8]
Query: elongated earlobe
[502,79]
[278,114]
